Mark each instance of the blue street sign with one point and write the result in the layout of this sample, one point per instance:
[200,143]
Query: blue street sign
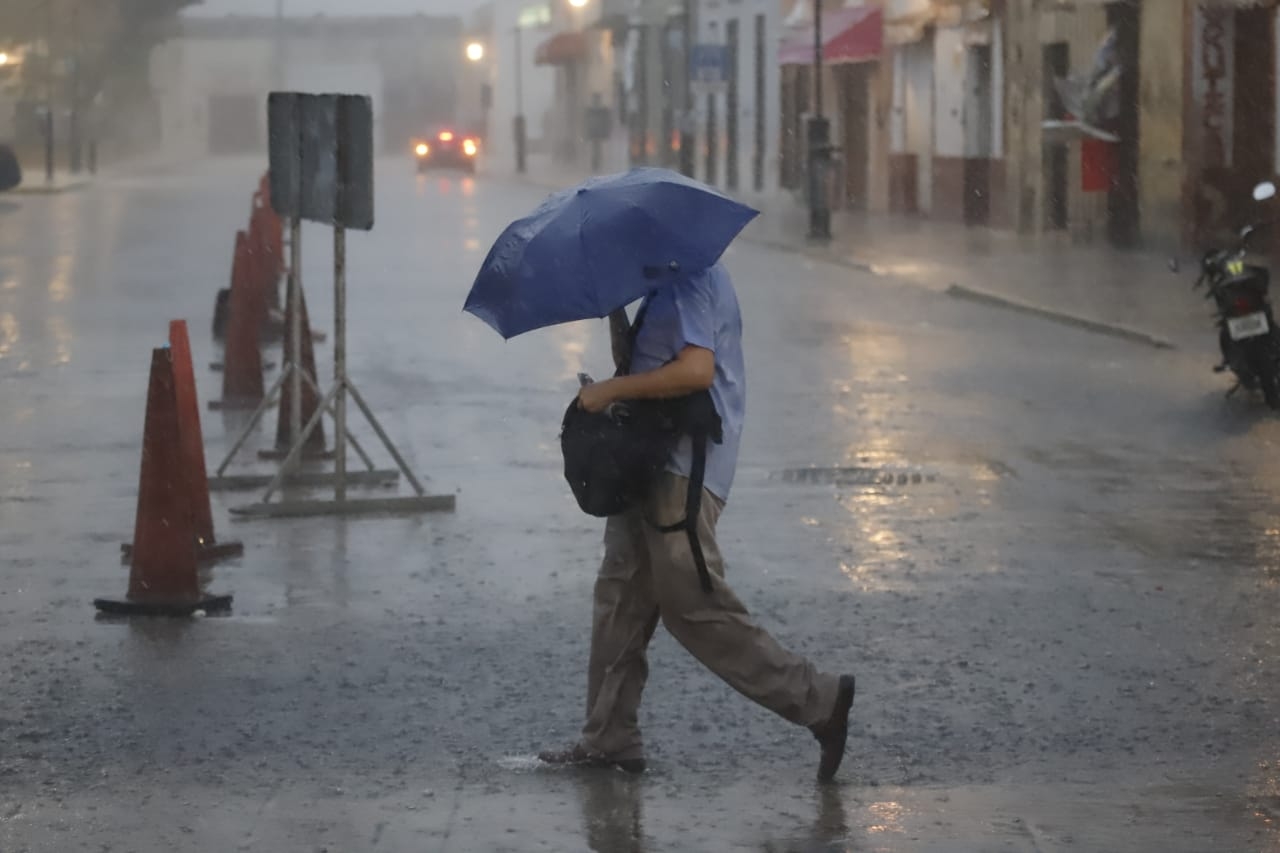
[710,63]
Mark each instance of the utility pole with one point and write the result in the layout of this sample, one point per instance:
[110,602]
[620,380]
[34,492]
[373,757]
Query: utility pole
[73,129]
[277,60]
[687,133]
[519,129]
[1024,79]
[819,144]
[48,91]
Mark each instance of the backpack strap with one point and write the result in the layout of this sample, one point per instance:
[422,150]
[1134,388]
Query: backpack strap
[693,507]
[624,369]
[698,434]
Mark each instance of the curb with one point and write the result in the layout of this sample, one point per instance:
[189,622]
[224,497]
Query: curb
[1126,333]
[45,189]
[810,252]
[980,297]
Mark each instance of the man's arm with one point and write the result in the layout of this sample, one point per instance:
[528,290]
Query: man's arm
[694,369]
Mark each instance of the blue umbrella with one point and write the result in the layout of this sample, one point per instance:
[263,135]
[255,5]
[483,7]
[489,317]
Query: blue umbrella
[593,248]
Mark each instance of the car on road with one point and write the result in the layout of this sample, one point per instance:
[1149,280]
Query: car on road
[447,149]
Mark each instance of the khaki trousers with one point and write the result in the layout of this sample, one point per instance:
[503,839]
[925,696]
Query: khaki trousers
[647,575]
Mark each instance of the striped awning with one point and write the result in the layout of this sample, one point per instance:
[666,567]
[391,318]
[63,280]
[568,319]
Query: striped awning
[852,34]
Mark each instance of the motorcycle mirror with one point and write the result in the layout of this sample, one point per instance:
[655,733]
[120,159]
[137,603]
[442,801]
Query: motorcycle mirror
[1264,191]
[1245,232]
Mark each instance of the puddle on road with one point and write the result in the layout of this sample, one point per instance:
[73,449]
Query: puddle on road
[521,763]
[895,473]
[854,476]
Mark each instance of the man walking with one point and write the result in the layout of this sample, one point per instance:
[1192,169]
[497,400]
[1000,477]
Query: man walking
[688,339]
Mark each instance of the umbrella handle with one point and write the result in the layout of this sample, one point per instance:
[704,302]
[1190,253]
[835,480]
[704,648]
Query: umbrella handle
[656,272]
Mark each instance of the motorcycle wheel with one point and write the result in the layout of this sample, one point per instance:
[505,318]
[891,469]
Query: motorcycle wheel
[1270,375]
[1271,392]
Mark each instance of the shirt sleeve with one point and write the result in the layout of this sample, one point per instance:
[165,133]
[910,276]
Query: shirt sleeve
[695,307]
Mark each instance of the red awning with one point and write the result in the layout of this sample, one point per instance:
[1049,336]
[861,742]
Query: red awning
[851,34]
[561,49]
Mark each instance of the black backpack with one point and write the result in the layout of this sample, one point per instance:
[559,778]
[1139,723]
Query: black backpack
[612,458]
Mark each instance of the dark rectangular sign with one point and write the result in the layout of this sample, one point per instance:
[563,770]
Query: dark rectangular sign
[321,157]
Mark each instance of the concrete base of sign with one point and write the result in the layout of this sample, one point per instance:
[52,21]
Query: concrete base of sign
[304,479]
[276,454]
[370,506]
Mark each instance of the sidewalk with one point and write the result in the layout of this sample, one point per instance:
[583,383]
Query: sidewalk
[1130,294]
[1126,294]
[150,163]
[35,184]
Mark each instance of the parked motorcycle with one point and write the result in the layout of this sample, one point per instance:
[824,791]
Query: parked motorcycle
[1247,333]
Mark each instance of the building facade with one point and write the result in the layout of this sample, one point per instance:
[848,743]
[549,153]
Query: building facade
[520,86]
[738,119]
[1129,122]
[213,77]
[1137,122]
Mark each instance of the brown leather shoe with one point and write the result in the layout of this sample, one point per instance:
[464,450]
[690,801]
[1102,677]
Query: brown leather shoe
[834,733]
[579,756]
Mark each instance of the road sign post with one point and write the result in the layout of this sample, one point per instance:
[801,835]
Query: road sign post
[321,150]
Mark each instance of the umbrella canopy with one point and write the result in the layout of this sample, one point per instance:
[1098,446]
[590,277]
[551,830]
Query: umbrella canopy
[594,248]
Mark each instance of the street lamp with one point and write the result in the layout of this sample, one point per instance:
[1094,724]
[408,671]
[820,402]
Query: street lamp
[4,58]
[475,51]
[578,4]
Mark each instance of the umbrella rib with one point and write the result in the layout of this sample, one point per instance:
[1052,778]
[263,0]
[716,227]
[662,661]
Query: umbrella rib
[586,261]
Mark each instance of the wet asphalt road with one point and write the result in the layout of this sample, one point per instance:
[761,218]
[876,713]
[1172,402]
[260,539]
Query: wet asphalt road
[1051,558]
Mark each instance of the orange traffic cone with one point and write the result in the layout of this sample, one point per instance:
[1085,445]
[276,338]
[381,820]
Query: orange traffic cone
[314,448]
[267,263]
[208,548]
[242,385]
[163,577]
[275,224]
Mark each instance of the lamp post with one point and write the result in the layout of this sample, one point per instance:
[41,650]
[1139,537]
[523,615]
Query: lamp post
[48,94]
[475,52]
[819,144]
[277,57]
[576,79]
[73,126]
[518,125]
[687,165]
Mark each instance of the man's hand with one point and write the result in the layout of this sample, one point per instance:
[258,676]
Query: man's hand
[597,396]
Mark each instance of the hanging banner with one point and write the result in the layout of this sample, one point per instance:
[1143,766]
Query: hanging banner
[1213,84]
